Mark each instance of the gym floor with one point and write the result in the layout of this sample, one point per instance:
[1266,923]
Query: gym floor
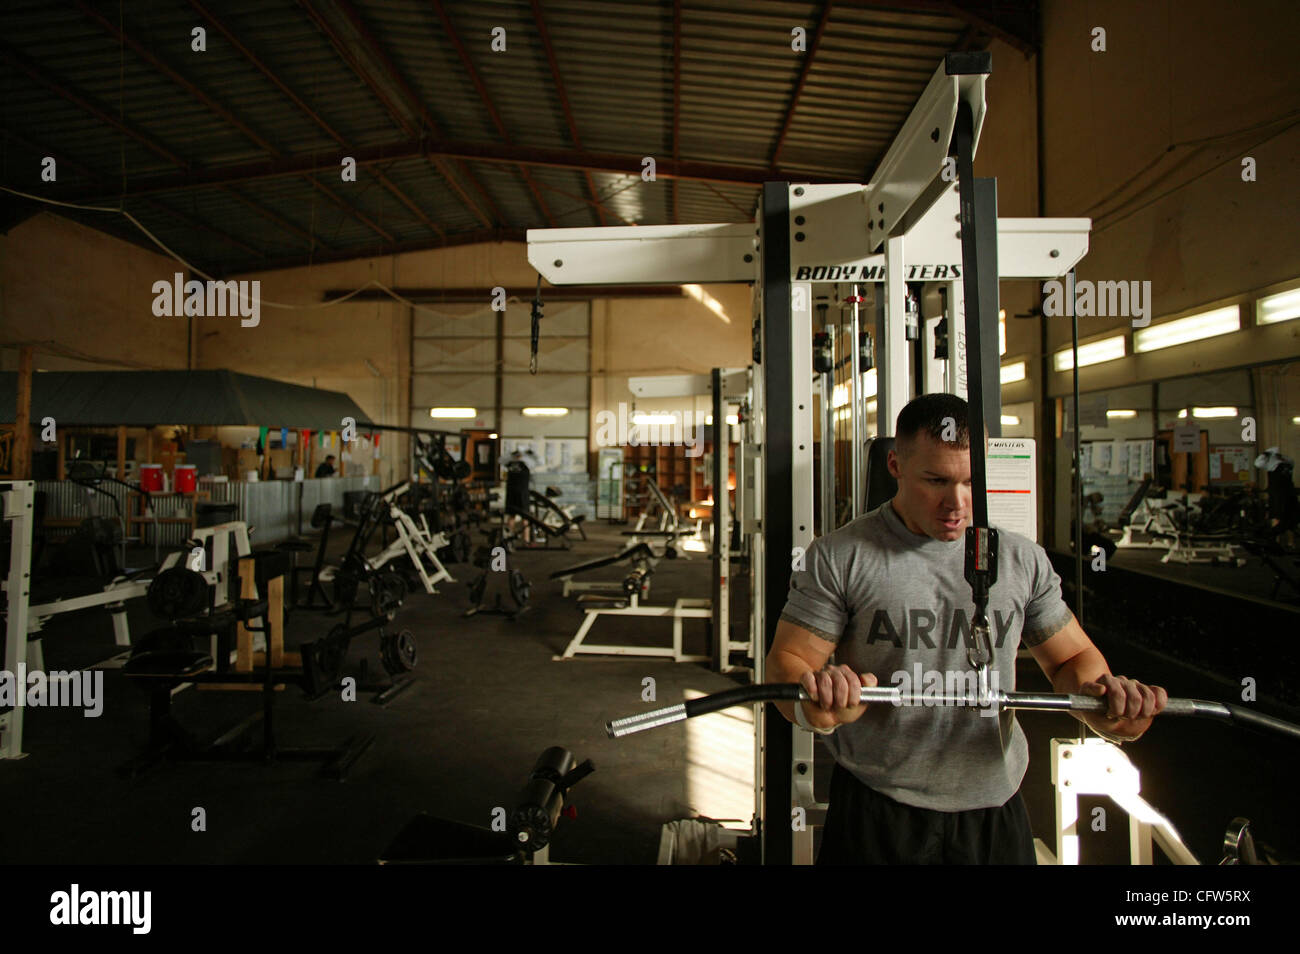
[487,699]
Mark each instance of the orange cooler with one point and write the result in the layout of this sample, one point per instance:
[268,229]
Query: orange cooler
[186,477]
[151,478]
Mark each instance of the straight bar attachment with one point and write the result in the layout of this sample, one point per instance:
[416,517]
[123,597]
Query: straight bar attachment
[1042,701]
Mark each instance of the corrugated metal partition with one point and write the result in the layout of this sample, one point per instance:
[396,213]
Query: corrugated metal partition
[270,508]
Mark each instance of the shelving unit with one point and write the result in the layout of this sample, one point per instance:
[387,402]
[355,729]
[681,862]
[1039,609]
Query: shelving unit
[671,468]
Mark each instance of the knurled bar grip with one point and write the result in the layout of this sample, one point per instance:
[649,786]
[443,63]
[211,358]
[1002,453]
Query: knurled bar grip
[1043,701]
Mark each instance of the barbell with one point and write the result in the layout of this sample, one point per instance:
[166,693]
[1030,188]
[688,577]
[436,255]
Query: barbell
[994,700]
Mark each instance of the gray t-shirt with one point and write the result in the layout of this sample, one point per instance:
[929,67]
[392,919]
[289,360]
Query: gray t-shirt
[897,604]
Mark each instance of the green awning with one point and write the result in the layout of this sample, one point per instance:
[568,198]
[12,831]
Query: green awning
[195,398]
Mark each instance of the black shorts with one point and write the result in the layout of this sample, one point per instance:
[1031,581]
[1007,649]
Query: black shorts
[864,827]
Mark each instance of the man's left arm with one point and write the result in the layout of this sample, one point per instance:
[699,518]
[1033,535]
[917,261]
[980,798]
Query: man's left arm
[1074,665]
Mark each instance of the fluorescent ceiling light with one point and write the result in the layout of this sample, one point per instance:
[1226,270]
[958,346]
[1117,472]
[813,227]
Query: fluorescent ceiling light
[656,419]
[707,300]
[1122,413]
[453,412]
[545,411]
[731,419]
[1011,373]
[1280,307]
[1221,321]
[1207,412]
[1094,352]
[1010,420]
[1295,420]
[493,436]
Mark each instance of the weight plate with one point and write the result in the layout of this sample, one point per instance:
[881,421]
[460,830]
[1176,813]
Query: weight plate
[387,591]
[398,652]
[460,470]
[177,593]
[328,655]
[520,589]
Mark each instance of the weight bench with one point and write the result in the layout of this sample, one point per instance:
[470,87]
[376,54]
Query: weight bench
[168,659]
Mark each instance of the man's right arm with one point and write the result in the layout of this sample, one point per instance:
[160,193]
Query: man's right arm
[798,655]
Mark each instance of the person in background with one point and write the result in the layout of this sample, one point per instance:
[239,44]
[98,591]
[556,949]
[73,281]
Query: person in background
[1283,508]
[326,468]
[518,485]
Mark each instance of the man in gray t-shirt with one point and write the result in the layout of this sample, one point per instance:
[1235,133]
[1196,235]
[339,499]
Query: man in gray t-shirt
[887,595]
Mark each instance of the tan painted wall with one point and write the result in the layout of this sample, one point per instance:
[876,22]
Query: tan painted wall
[84,298]
[1147,139]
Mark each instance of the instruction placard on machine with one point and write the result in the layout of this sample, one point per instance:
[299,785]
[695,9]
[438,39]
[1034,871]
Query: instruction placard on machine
[1013,497]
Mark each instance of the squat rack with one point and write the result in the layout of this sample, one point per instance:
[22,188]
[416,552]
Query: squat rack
[901,225]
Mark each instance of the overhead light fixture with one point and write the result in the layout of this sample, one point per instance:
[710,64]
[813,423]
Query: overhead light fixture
[448,413]
[1210,324]
[707,300]
[493,436]
[1012,373]
[545,411]
[1280,307]
[1208,412]
[660,419]
[1295,420]
[732,419]
[1010,420]
[1121,413]
[1094,352]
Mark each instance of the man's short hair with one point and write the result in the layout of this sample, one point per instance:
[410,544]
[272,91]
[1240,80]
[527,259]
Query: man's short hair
[943,416]
[329,456]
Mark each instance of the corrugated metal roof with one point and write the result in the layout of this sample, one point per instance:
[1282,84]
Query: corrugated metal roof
[284,91]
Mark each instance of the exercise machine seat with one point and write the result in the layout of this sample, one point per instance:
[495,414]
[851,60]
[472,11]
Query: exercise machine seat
[880,483]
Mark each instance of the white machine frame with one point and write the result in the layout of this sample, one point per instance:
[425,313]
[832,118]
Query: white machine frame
[896,228]
[23,619]
[1096,767]
[685,608]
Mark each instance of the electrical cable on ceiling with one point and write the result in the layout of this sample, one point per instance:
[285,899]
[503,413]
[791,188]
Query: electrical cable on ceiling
[270,304]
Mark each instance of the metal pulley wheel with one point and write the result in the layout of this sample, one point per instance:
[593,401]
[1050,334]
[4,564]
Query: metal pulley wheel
[520,589]
[387,591]
[177,593]
[398,652]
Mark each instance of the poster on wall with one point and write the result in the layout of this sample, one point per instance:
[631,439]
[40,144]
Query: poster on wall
[548,455]
[1230,463]
[1013,502]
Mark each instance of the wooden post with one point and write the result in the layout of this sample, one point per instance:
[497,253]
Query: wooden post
[21,466]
